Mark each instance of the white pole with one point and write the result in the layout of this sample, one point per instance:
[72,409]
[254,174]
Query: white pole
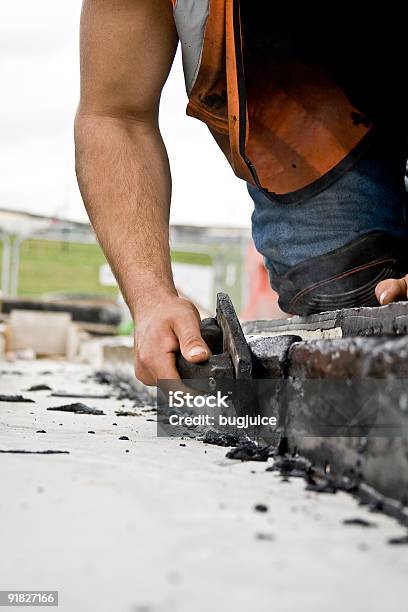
[5,273]
[15,267]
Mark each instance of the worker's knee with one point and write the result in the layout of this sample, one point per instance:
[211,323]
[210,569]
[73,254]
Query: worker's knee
[331,248]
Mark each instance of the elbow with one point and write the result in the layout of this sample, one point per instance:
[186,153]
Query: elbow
[120,116]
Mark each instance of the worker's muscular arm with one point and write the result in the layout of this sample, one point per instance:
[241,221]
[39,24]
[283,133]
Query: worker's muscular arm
[127,48]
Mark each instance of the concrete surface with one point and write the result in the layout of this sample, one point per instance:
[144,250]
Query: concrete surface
[168,528]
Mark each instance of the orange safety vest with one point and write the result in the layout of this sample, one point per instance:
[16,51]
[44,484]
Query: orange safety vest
[288,128]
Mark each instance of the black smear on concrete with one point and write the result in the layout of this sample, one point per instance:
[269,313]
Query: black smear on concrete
[265,537]
[41,431]
[79,395]
[26,452]
[40,388]
[11,373]
[359,522]
[123,438]
[399,540]
[16,398]
[77,408]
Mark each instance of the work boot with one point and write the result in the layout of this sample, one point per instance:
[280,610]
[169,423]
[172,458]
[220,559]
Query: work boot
[344,278]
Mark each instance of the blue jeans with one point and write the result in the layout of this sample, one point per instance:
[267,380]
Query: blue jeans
[372,196]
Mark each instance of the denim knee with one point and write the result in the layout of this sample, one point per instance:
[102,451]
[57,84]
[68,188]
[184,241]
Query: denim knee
[370,197]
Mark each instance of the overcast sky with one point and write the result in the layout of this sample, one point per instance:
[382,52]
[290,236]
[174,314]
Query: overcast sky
[39,93]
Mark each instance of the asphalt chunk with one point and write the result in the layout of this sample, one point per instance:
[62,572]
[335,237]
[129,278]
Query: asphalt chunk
[261,508]
[123,438]
[291,466]
[321,485]
[251,451]
[77,408]
[40,388]
[221,439]
[16,399]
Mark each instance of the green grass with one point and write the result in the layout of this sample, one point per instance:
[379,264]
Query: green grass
[199,259]
[63,267]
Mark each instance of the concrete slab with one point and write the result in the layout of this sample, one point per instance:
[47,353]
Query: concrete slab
[171,528]
[391,319]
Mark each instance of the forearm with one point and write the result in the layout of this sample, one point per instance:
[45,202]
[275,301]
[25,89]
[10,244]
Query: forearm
[124,177]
